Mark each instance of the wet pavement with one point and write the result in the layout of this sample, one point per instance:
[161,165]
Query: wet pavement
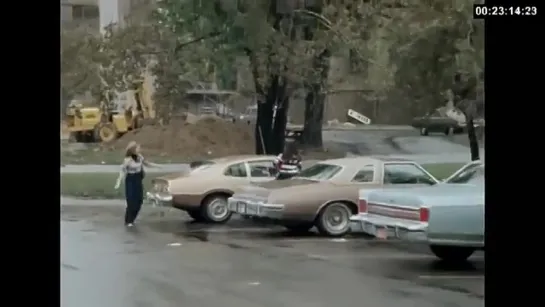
[167,261]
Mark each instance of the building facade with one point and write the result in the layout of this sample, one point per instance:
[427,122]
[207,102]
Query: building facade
[95,13]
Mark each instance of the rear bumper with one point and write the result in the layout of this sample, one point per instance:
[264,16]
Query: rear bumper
[159,199]
[392,228]
[255,209]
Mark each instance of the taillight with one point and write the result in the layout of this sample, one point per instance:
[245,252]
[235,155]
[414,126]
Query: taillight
[424,214]
[362,205]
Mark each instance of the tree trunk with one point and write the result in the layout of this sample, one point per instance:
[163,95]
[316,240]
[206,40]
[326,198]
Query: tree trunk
[279,128]
[264,120]
[314,114]
[315,100]
[270,126]
[472,137]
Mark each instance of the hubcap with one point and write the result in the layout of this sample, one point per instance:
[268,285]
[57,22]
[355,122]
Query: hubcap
[217,209]
[337,218]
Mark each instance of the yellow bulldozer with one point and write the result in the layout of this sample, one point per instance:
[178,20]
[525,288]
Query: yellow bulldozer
[105,123]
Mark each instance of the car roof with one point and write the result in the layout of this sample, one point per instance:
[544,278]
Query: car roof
[357,161]
[238,158]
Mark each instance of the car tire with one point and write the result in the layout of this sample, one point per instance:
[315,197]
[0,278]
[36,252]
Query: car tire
[452,253]
[299,228]
[449,131]
[214,209]
[327,218]
[195,215]
[424,131]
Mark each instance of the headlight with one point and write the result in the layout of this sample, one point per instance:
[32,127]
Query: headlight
[161,187]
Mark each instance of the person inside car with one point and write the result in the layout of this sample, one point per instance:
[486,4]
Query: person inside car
[288,163]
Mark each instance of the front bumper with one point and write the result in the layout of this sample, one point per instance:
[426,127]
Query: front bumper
[253,208]
[159,199]
[389,228]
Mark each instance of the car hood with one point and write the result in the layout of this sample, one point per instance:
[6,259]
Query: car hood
[172,176]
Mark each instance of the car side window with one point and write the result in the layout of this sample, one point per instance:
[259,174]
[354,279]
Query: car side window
[236,170]
[405,174]
[263,168]
[365,174]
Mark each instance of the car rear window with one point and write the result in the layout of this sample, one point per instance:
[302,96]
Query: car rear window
[320,171]
[199,165]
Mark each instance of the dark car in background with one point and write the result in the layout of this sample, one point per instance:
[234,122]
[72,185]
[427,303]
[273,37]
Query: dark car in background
[440,121]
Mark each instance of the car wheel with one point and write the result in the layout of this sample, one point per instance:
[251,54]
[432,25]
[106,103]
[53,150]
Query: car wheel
[299,228]
[452,253]
[424,131]
[449,131]
[334,220]
[214,209]
[196,215]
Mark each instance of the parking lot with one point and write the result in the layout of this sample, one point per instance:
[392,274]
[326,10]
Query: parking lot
[168,261]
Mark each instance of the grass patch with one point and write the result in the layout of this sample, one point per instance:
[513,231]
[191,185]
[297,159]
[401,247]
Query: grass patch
[95,155]
[442,170]
[101,185]
[96,185]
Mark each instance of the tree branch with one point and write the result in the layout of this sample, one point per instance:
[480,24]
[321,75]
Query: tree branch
[196,40]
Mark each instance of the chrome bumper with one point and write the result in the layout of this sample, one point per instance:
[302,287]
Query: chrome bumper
[159,199]
[389,228]
[253,208]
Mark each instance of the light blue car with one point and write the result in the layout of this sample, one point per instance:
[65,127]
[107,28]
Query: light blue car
[449,216]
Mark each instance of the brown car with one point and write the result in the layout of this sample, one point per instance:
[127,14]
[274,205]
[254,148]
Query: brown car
[203,191]
[325,195]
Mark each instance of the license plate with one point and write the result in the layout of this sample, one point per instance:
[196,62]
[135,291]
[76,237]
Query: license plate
[241,207]
[381,233]
[251,209]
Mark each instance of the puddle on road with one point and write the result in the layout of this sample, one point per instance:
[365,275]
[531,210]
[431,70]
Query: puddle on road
[466,277]
[201,236]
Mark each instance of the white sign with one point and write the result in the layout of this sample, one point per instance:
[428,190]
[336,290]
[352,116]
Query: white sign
[359,117]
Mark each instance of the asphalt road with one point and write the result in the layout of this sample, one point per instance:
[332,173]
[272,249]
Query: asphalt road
[167,261]
[401,143]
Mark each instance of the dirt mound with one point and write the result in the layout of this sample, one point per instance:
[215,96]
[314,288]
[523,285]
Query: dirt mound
[210,136]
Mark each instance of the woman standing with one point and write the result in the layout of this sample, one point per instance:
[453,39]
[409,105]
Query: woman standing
[132,170]
[288,163]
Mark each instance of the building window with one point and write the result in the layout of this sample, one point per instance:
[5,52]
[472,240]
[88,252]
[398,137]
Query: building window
[83,12]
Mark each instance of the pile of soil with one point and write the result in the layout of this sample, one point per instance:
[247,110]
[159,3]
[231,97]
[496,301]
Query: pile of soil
[209,136]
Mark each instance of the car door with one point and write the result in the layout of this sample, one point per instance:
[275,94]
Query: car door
[470,210]
[261,170]
[437,122]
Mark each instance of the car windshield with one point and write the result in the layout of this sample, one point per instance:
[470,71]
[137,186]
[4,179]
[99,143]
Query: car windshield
[472,174]
[320,171]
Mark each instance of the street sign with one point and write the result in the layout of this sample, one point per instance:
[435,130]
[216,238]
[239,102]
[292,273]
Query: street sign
[359,117]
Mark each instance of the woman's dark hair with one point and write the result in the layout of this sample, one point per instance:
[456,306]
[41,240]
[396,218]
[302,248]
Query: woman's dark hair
[290,151]
[131,152]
